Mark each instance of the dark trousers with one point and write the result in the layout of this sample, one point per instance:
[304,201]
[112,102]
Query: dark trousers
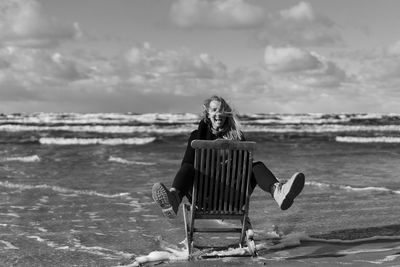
[261,176]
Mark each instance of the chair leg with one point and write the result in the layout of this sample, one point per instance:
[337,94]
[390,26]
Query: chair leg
[189,242]
[250,238]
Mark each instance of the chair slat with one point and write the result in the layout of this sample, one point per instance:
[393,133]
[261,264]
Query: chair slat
[206,178]
[212,181]
[228,180]
[222,181]
[244,181]
[196,179]
[217,181]
[232,179]
[248,176]
[238,181]
[201,178]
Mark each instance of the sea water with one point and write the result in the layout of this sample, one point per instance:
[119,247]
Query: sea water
[75,189]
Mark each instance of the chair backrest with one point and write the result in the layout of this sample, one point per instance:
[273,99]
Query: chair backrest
[223,171]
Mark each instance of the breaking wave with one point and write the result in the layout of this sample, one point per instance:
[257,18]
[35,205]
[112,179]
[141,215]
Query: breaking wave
[80,129]
[129,162]
[96,141]
[351,188]
[380,139]
[65,190]
[33,158]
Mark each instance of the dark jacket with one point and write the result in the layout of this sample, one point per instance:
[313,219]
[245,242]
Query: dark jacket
[203,132]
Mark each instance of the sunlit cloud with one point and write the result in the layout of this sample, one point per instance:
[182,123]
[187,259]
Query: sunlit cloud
[302,11]
[34,66]
[303,67]
[25,23]
[378,66]
[299,25]
[173,71]
[394,49]
[216,14]
[288,59]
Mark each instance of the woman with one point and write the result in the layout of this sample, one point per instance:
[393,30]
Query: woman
[219,121]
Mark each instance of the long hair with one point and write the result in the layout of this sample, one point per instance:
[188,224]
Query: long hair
[231,129]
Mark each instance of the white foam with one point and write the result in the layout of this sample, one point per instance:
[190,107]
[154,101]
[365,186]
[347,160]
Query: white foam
[276,240]
[172,253]
[100,251]
[33,158]
[312,118]
[77,246]
[42,240]
[96,141]
[341,241]
[380,139]
[388,258]
[351,188]
[99,118]
[8,245]
[10,214]
[323,128]
[129,162]
[99,128]
[74,192]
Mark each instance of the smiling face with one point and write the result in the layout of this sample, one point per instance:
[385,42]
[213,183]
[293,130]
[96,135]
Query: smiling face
[216,114]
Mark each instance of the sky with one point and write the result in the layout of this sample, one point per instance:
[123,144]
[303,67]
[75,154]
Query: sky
[283,56]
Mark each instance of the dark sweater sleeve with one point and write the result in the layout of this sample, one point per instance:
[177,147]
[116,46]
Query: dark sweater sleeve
[189,153]
[202,133]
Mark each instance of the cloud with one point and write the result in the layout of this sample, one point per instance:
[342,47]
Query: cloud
[29,74]
[288,59]
[24,23]
[301,12]
[394,49]
[39,66]
[299,25]
[380,65]
[303,68]
[142,72]
[148,79]
[216,14]
[175,71]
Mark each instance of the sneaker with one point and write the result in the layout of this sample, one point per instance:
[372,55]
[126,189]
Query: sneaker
[168,200]
[284,194]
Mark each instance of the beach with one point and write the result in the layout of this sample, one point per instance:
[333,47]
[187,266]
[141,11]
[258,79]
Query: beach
[75,190]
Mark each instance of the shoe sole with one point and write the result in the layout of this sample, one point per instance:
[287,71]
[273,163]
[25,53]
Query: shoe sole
[160,196]
[296,188]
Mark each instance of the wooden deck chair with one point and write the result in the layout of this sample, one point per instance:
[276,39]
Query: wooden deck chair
[221,189]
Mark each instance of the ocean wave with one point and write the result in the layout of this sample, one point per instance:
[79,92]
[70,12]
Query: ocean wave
[186,128]
[8,245]
[129,162]
[96,141]
[99,128]
[33,158]
[151,118]
[97,118]
[64,190]
[351,188]
[324,128]
[376,139]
